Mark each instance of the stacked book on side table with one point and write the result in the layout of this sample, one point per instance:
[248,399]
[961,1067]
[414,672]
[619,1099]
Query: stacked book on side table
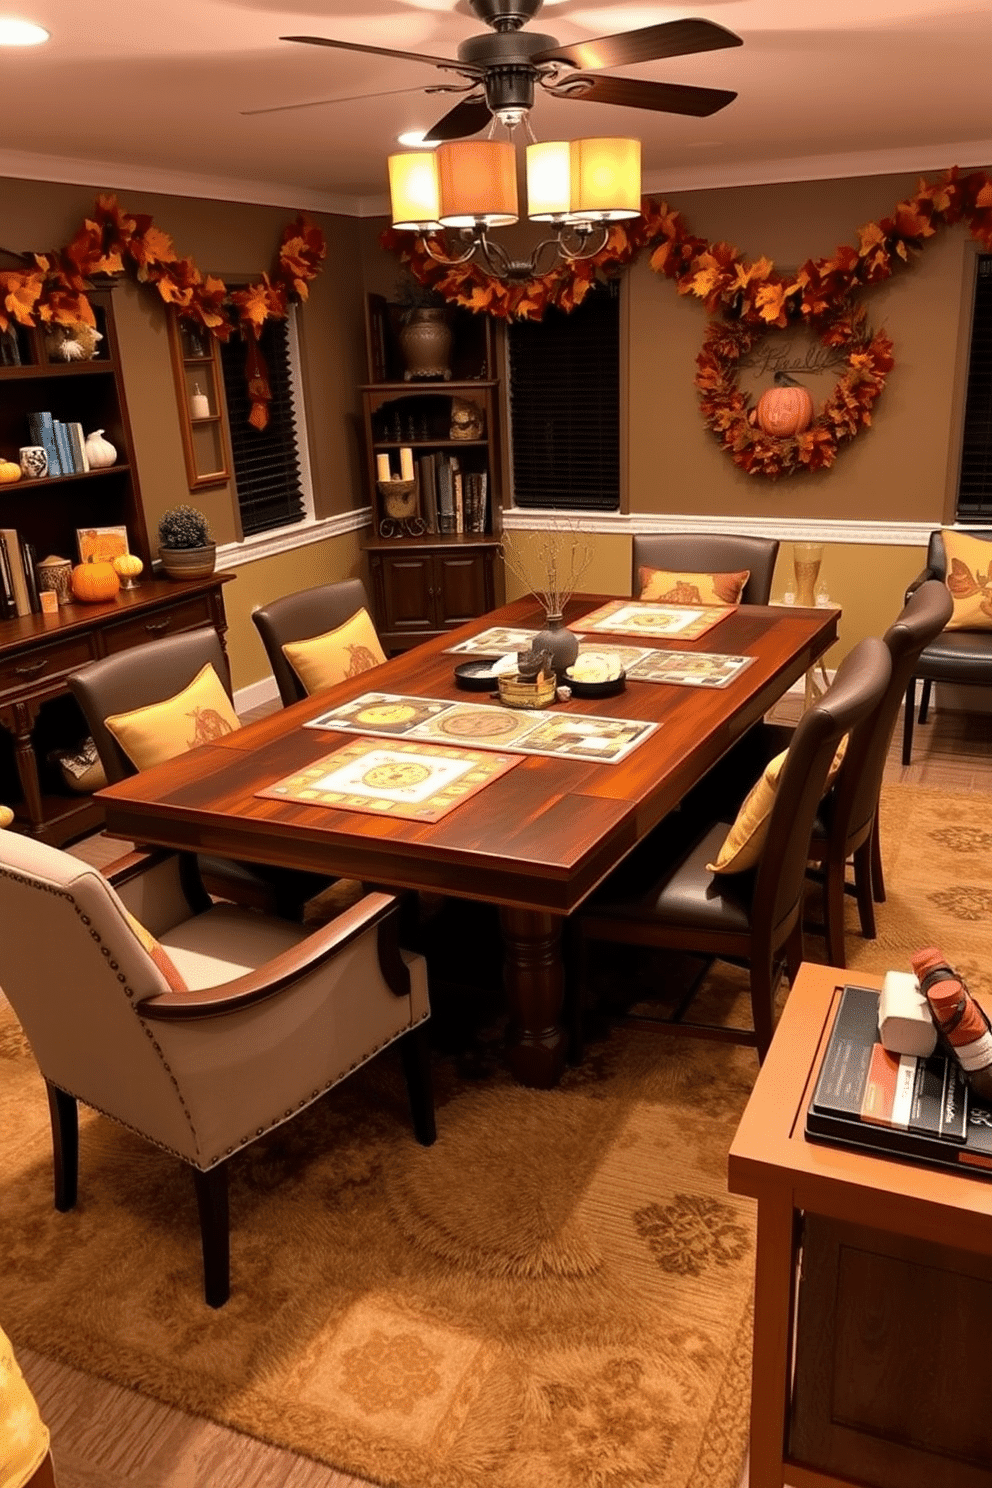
[896,1104]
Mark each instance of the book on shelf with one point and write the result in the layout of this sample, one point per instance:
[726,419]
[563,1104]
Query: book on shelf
[30,560]
[428,491]
[77,442]
[445,495]
[896,1104]
[64,447]
[458,494]
[481,513]
[42,432]
[14,567]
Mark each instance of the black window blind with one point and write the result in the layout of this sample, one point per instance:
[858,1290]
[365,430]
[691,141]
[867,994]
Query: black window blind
[565,406]
[975,486]
[266,461]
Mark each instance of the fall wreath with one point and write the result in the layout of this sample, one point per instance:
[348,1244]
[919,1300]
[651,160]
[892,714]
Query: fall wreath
[51,288]
[750,298]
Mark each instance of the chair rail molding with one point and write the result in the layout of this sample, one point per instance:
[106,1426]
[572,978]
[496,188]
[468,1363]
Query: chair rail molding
[284,539]
[787,529]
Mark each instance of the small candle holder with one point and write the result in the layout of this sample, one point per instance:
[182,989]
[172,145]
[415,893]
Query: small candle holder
[399,502]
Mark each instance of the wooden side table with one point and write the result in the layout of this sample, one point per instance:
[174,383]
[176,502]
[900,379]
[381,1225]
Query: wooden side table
[871,1367]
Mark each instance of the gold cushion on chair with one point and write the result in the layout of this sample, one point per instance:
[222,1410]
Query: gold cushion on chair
[158,954]
[969,578]
[201,712]
[661,585]
[743,844]
[348,651]
[6,816]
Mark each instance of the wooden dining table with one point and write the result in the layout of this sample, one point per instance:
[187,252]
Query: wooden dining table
[535,842]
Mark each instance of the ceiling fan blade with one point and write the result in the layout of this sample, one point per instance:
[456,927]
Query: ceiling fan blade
[667,98]
[282,108]
[354,46]
[669,39]
[466,118]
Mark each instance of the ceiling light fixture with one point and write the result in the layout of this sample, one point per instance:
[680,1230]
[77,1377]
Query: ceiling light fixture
[15,32]
[470,186]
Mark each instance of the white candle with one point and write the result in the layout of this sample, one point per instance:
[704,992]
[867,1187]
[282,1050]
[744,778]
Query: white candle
[382,467]
[406,464]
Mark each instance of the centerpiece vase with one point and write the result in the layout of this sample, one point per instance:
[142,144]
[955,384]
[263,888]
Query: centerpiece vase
[425,341]
[561,644]
[806,558]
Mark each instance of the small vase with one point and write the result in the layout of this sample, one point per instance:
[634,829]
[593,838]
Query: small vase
[99,451]
[425,341]
[561,644]
[189,563]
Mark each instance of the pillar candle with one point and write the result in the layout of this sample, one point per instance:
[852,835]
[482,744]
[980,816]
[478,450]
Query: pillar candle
[406,464]
[382,467]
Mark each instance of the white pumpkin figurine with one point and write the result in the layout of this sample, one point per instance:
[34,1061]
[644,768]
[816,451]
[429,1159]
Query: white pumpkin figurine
[99,451]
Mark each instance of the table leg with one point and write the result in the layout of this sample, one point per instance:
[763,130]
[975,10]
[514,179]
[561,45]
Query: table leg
[19,720]
[774,1287]
[535,982]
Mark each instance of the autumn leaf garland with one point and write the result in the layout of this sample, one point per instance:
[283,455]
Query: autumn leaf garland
[749,298]
[51,290]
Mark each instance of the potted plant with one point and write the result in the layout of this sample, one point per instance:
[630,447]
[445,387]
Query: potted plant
[185,547]
[425,332]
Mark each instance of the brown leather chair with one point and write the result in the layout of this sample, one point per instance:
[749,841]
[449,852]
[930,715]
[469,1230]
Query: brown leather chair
[847,824]
[298,617]
[150,674]
[705,552]
[665,896]
[955,656]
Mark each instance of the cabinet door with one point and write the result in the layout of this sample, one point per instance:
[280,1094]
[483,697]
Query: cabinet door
[463,586]
[407,594]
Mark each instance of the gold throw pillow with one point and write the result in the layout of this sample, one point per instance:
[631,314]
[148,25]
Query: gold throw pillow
[969,578]
[199,714]
[743,844]
[663,586]
[348,651]
[23,1435]
[158,953]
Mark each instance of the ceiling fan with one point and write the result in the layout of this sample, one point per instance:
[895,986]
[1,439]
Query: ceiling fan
[504,65]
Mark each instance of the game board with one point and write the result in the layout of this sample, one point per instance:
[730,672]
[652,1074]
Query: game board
[689,668]
[630,617]
[419,782]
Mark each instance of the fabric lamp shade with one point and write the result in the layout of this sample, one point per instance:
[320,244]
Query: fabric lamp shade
[549,181]
[606,179]
[413,190]
[478,183]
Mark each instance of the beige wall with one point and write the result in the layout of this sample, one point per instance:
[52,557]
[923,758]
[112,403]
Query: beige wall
[236,241]
[900,470]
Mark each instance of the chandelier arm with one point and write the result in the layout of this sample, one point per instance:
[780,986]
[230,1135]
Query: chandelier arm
[592,239]
[444,258]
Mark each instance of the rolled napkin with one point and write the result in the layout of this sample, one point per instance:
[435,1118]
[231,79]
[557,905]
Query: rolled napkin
[904,1020]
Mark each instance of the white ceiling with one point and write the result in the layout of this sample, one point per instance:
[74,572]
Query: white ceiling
[147,96]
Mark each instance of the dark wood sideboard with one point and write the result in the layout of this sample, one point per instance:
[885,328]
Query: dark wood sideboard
[37,654]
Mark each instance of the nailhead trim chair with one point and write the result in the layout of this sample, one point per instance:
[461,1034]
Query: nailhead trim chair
[271,1017]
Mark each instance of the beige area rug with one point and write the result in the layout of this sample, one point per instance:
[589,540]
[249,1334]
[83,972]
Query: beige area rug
[556,1295]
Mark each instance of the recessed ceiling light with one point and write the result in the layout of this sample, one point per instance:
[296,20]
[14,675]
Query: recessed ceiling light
[15,32]
[413,137]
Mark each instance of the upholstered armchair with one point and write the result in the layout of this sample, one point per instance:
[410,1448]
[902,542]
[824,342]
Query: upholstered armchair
[958,654]
[200,1031]
[301,617]
[707,552]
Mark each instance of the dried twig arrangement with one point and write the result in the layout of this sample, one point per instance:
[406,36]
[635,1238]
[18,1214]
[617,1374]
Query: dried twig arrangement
[552,565]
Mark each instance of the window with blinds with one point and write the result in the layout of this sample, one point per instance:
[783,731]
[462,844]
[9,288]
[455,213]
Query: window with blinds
[267,475]
[564,393]
[975,485]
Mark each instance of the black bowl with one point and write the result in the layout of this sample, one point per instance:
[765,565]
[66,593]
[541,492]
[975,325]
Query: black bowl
[609,688]
[477,675]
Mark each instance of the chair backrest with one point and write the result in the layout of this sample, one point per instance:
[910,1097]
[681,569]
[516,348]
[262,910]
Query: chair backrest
[854,798]
[74,972]
[937,555]
[708,552]
[139,677]
[857,689]
[298,617]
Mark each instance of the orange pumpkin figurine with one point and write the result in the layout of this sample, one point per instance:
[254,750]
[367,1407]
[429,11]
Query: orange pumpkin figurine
[95,580]
[785,409]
